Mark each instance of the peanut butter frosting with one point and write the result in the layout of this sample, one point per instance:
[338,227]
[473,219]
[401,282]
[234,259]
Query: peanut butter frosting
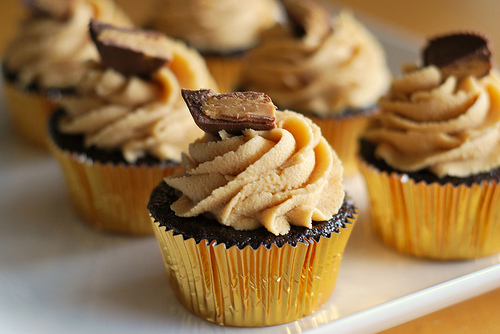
[336,65]
[449,126]
[49,51]
[216,26]
[135,115]
[288,175]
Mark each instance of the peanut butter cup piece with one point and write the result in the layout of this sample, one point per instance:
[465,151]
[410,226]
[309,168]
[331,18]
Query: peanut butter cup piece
[58,9]
[232,112]
[308,17]
[130,51]
[461,55]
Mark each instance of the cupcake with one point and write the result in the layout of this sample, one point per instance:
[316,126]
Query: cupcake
[125,127]
[431,160]
[252,228]
[329,68]
[47,58]
[221,30]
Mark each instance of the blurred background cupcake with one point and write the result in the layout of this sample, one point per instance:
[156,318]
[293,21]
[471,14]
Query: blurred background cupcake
[126,126]
[46,59]
[432,158]
[329,68]
[221,30]
[252,229]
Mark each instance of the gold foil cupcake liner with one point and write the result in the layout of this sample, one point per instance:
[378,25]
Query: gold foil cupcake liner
[251,287]
[29,113]
[226,71]
[343,135]
[111,198]
[444,222]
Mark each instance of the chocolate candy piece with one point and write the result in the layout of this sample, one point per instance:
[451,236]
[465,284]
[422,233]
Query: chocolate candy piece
[58,9]
[307,17]
[460,55]
[130,51]
[232,112]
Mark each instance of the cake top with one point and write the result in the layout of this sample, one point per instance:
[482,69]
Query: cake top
[318,63]
[272,170]
[131,100]
[443,116]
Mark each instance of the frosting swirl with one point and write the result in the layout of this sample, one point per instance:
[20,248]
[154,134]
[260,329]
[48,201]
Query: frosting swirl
[135,115]
[448,126]
[222,26]
[50,51]
[288,175]
[320,73]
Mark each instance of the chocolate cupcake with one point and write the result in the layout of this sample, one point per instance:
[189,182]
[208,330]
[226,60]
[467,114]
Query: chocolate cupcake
[125,127]
[221,30]
[253,227]
[46,59]
[329,68]
[431,159]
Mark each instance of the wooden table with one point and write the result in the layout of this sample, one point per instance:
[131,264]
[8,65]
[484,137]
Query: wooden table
[425,18]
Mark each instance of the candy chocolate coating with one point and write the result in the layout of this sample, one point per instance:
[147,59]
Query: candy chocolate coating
[460,54]
[130,51]
[232,112]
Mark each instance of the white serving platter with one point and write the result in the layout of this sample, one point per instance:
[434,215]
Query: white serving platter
[59,276]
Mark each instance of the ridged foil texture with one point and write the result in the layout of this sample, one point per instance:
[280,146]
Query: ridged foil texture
[343,135]
[443,222]
[251,287]
[29,113]
[111,198]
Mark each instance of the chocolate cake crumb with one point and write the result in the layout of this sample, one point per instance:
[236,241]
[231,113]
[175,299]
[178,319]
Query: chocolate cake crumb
[367,152]
[203,228]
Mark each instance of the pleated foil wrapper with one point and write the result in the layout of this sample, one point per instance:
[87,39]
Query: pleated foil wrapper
[343,135]
[109,197]
[251,287]
[442,222]
[29,113]
[226,70]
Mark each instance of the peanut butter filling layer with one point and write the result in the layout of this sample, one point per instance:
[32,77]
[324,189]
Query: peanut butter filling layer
[288,175]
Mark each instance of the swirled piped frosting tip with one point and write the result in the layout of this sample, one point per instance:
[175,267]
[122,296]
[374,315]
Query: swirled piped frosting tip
[444,116]
[318,63]
[131,100]
[308,18]
[231,112]
[283,174]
